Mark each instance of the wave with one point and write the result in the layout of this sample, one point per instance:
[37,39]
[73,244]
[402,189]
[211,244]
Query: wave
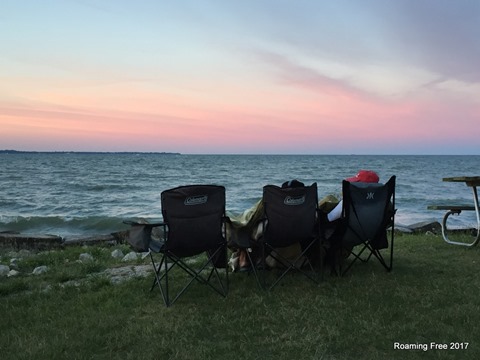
[77,193]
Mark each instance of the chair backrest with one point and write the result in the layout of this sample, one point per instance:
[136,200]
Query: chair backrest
[194,216]
[291,214]
[367,211]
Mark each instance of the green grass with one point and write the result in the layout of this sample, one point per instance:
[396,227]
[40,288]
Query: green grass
[432,295]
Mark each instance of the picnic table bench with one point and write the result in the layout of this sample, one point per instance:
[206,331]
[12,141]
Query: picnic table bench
[452,208]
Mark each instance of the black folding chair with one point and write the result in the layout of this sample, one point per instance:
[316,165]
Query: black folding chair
[194,223]
[291,217]
[368,211]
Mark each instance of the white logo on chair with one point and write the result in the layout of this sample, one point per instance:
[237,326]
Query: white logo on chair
[370,195]
[196,200]
[294,200]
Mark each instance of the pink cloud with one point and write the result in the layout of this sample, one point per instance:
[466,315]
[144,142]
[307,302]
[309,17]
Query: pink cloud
[303,111]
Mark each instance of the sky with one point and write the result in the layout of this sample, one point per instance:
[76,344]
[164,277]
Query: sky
[241,76]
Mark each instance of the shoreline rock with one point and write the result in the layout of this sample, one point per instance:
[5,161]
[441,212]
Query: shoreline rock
[425,226]
[29,241]
[45,241]
[90,240]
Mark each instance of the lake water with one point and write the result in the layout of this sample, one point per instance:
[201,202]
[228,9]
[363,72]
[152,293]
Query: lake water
[79,194]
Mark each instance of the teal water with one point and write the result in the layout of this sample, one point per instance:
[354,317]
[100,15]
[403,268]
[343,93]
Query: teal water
[78,193]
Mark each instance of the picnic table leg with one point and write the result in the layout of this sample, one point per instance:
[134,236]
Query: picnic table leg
[477,211]
[457,212]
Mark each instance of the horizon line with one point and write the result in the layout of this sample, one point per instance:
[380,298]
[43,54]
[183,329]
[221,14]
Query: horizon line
[11,151]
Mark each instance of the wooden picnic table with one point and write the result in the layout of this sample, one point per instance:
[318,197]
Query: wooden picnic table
[473,182]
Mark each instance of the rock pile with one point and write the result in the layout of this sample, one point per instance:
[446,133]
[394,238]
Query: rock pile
[116,274]
[121,273]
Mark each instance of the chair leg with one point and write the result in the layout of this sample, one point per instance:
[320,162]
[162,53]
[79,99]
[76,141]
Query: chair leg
[159,278]
[224,289]
[254,266]
[195,275]
[380,258]
[357,257]
[372,252]
[293,265]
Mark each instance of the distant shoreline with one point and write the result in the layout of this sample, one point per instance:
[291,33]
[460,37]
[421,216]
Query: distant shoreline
[9,151]
[87,152]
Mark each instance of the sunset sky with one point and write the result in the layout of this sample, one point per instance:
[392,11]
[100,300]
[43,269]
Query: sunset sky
[241,76]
